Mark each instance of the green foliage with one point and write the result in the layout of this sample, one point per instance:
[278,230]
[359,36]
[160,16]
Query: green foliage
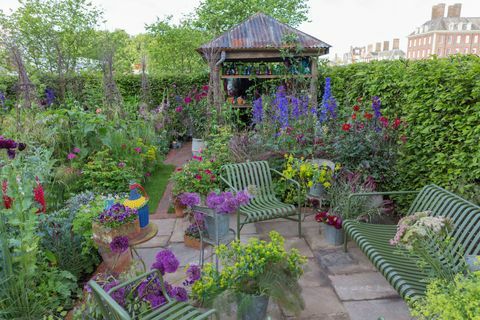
[198,175]
[82,222]
[256,268]
[156,185]
[217,16]
[217,145]
[451,300]
[439,99]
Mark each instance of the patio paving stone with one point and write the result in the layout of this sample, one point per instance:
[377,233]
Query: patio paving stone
[179,230]
[300,244]
[314,276]
[155,242]
[320,303]
[165,226]
[389,309]
[362,286]
[336,261]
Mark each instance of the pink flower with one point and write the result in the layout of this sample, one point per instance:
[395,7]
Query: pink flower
[98,111]
[71,156]
[122,164]
[197,158]
[147,174]
[179,109]
[205,87]
[187,100]
[198,177]
[138,150]
[76,150]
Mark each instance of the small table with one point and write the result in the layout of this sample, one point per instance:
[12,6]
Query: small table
[145,234]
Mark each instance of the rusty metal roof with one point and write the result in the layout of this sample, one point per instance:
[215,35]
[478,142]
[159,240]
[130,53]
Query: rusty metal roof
[261,32]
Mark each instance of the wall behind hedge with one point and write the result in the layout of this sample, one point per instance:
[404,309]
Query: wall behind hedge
[440,101]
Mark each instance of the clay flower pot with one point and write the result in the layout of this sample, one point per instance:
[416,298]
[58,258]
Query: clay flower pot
[179,209]
[191,242]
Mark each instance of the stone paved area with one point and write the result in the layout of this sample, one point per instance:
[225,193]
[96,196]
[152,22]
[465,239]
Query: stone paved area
[336,285]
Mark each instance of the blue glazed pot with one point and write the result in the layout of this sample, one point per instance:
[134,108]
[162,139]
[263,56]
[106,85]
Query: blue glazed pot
[143,216]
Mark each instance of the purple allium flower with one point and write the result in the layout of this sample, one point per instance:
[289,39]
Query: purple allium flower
[189,199]
[121,164]
[257,111]
[150,290]
[11,153]
[166,262]
[194,272]
[226,202]
[71,156]
[76,150]
[21,146]
[243,197]
[376,105]
[7,143]
[117,295]
[119,244]
[179,294]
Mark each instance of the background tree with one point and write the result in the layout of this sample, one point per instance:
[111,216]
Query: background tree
[171,47]
[217,16]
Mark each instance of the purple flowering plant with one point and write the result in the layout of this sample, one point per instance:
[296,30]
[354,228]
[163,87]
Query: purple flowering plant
[227,202]
[11,146]
[189,199]
[117,215]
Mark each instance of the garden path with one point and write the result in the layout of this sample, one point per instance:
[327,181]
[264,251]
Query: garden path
[336,285]
[177,157]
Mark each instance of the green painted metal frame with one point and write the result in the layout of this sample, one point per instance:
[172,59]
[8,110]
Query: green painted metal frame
[172,310]
[265,205]
[401,270]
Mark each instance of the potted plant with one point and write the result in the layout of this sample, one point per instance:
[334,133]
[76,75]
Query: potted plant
[117,220]
[195,103]
[343,207]
[191,237]
[253,273]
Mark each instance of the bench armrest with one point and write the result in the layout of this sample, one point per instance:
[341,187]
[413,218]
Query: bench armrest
[385,193]
[228,184]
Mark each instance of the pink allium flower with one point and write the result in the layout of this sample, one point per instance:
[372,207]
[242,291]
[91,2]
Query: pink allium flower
[71,156]
[122,164]
[138,150]
[76,150]
[179,109]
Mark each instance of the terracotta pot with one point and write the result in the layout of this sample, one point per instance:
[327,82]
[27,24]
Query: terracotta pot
[179,209]
[114,262]
[191,242]
[105,235]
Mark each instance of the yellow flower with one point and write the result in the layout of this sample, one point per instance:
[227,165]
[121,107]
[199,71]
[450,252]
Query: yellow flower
[327,184]
[310,184]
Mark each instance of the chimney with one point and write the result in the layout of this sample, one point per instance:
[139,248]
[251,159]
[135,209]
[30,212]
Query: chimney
[438,11]
[378,47]
[396,44]
[370,48]
[454,10]
[386,45]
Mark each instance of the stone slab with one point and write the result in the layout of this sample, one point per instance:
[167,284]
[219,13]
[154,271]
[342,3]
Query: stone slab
[320,303]
[362,286]
[247,229]
[179,230]
[313,276]
[335,261]
[155,242]
[288,229]
[300,244]
[165,226]
[389,309]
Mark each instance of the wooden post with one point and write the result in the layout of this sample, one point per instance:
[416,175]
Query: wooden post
[217,92]
[314,82]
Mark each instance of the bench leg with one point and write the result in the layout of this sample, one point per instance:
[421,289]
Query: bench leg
[299,222]
[345,241]
[238,226]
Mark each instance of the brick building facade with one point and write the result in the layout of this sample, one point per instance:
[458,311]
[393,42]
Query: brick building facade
[444,36]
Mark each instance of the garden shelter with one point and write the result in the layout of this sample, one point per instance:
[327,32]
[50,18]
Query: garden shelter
[245,52]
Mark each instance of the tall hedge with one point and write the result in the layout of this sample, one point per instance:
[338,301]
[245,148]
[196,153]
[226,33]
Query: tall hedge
[440,101]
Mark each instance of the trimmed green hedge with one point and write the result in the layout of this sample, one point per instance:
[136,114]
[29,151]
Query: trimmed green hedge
[440,100]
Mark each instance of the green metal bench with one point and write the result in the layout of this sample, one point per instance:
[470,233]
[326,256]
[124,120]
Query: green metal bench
[400,270]
[265,205]
[172,310]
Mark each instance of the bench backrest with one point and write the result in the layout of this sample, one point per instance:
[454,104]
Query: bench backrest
[108,306]
[464,215]
[254,173]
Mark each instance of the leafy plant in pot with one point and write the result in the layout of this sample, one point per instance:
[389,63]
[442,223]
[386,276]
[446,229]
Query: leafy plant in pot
[252,274]
[344,206]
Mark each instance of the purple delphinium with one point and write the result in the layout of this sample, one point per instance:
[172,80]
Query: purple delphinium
[257,111]
[189,199]
[49,96]
[281,102]
[296,112]
[119,244]
[329,104]
[166,262]
[376,105]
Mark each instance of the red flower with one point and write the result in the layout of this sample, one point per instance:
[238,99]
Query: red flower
[198,177]
[197,158]
[384,121]
[213,178]
[396,123]
[320,217]
[354,116]
[7,201]
[39,196]
[178,169]
[368,116]
[356,108]
[346,127]
[208,171]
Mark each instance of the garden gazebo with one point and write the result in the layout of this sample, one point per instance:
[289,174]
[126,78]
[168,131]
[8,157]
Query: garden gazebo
[256,49]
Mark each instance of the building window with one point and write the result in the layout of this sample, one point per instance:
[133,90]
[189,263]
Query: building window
[430,40]
[423,53]
[425,40]
[459,39]
[450,39]
[428,52]
[448,51]
[441,38]
[467,39]
[475,39]
[414,42]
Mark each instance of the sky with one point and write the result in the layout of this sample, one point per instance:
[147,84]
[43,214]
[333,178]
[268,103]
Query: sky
[340,23]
